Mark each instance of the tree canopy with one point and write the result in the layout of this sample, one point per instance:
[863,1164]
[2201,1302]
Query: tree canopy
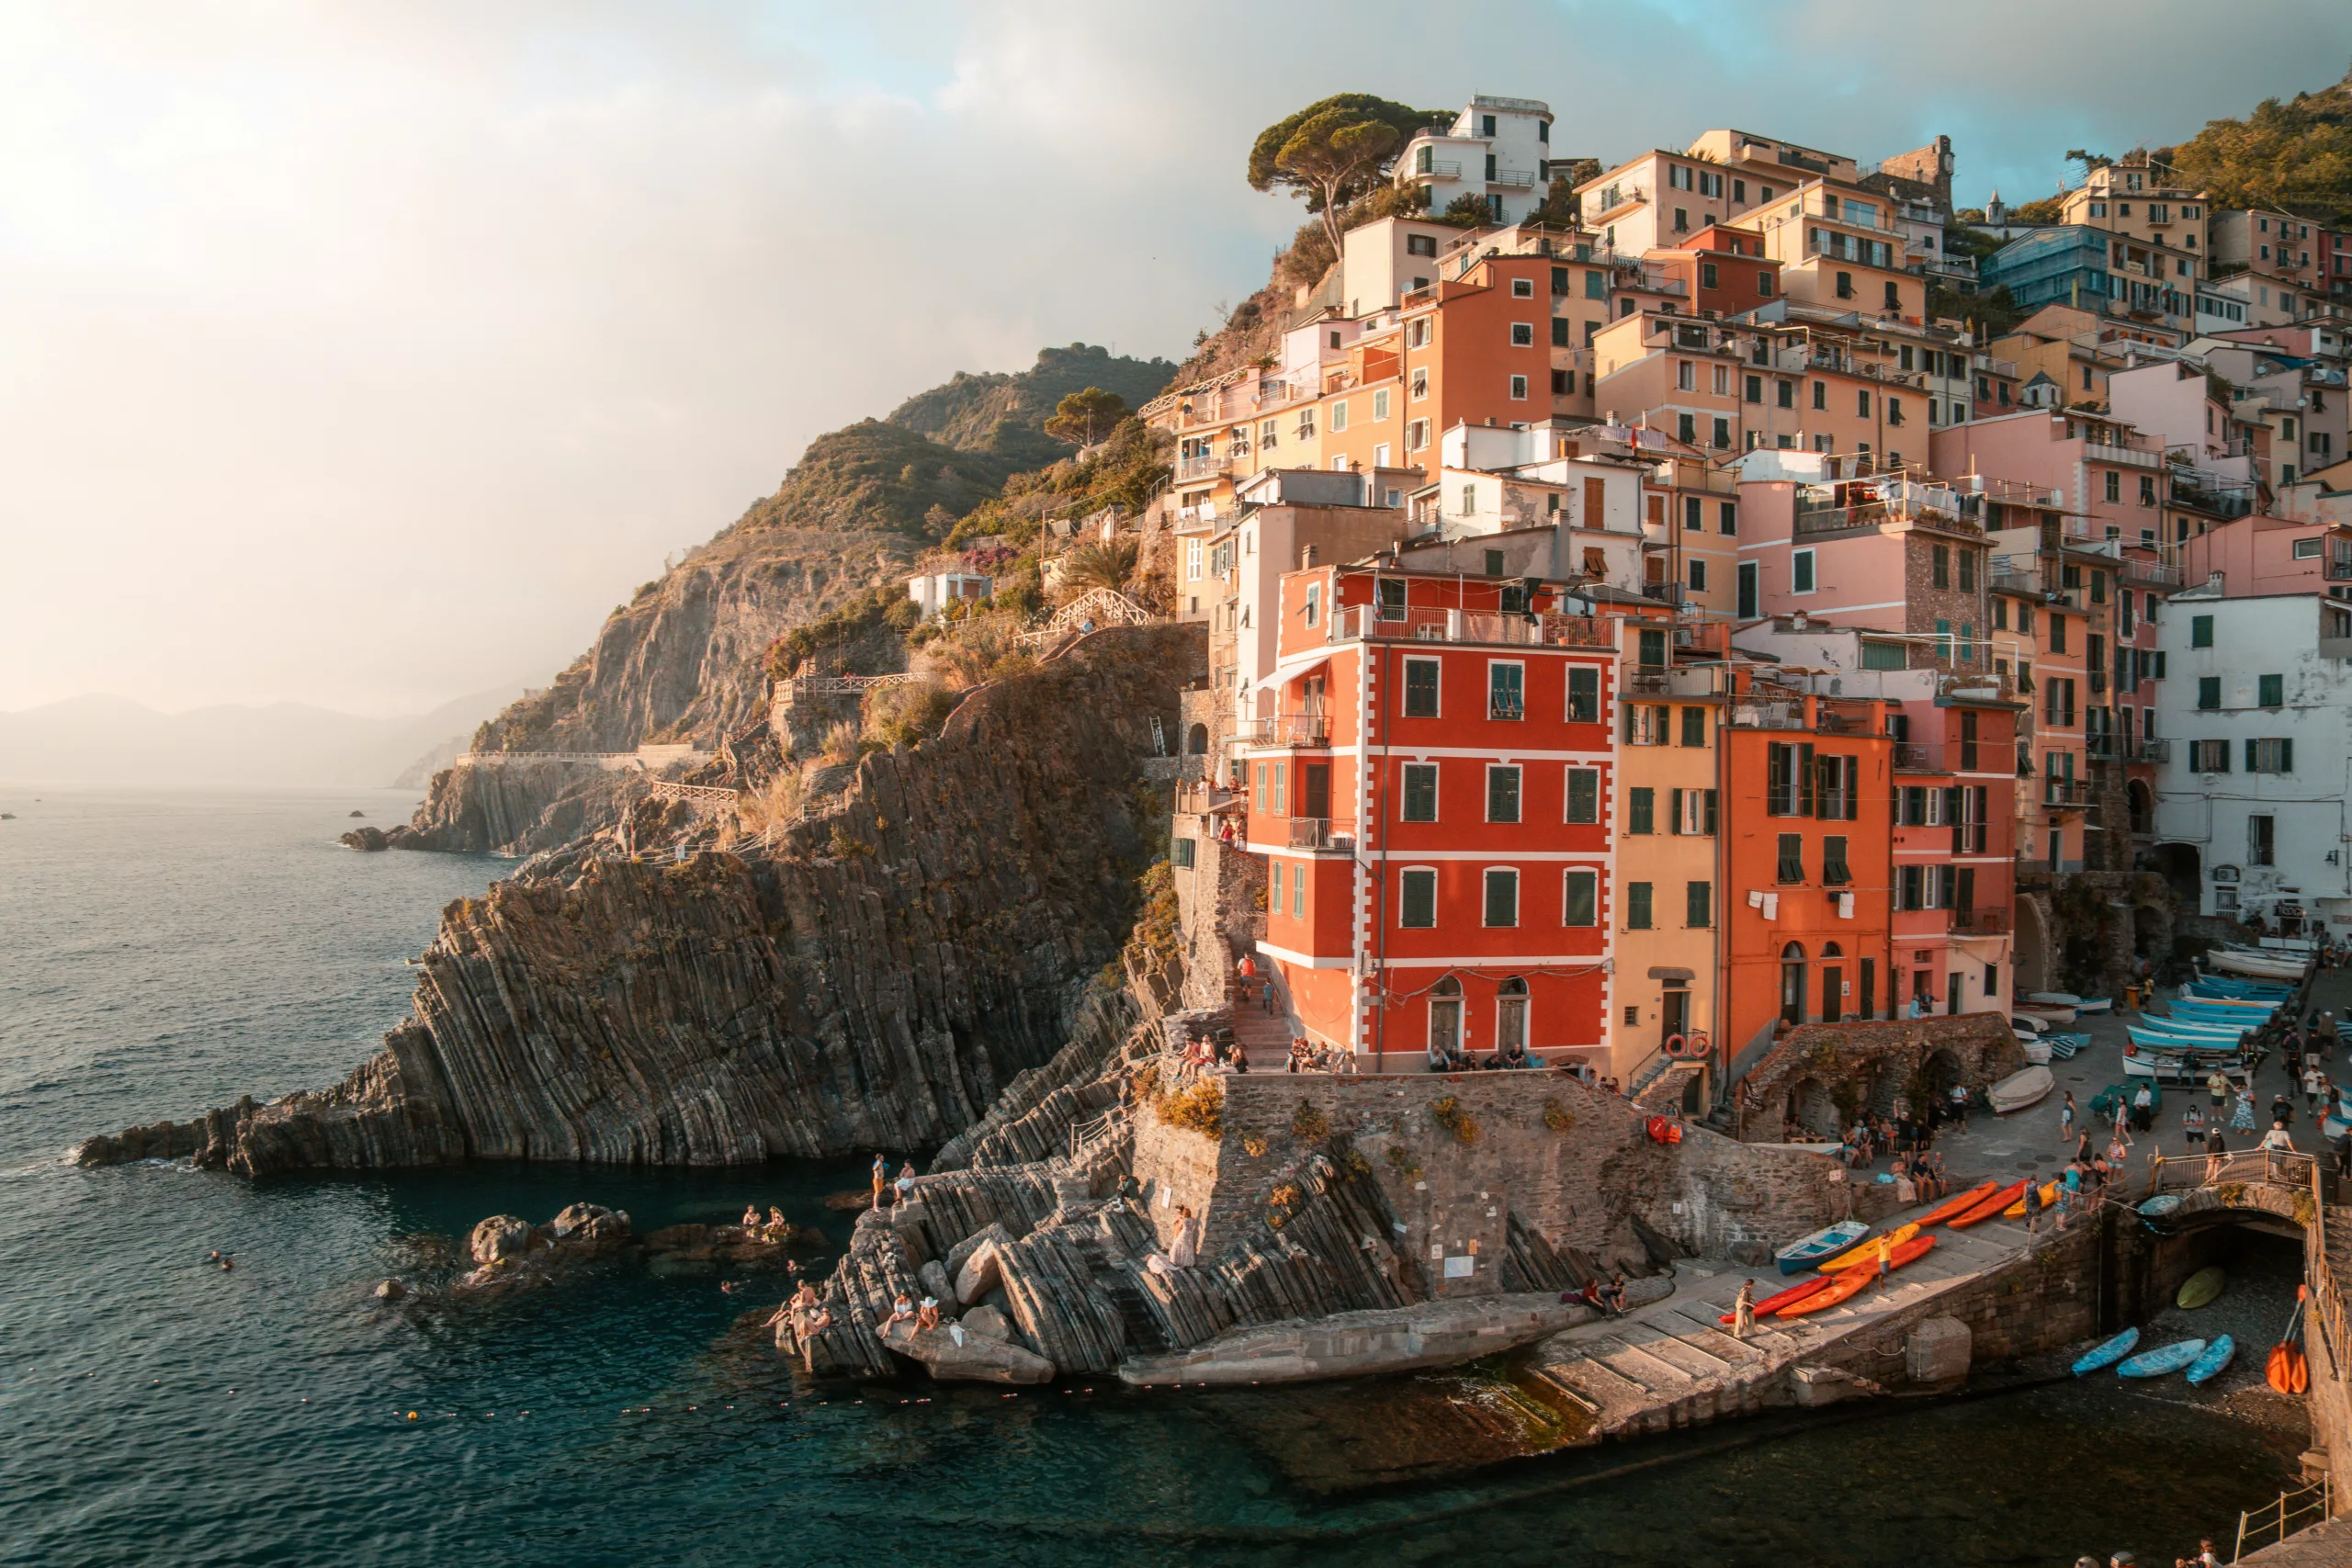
[1086,416]
[2296,155]
[1333,150]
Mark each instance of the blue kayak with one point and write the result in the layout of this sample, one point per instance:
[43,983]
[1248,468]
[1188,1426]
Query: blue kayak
[1800,1256]
[2217,1356]
[2164,1360]
[2162,1204]
[2106,1355]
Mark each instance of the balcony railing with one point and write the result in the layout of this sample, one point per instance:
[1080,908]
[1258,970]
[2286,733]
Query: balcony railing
[1202,466]
[1285,729]
[1362,622]
[1913,757]
[2073,794]
[1770,713]
[2151,749]
[1522,178]
[2124,456]
[1988,920]
[1321,834]
[2206,498]
[2156,574]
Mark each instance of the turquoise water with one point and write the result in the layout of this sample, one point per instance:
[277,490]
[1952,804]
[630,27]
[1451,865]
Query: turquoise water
[163,953]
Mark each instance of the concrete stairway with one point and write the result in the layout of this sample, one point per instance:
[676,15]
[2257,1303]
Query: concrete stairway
[1673,1364]
[1264,1039]
[1662,1094]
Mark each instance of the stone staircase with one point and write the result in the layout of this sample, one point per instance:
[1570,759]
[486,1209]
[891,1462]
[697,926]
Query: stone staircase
[1662,1094]
[1264,1039]
[1673,1364]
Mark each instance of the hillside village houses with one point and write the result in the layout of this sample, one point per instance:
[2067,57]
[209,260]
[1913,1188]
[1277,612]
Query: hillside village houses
[1633,634]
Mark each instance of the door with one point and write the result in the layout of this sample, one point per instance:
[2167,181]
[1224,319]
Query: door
[1750,595]
[1315,790]
[1445,1025]
[1833,992]
[1952,993]
[1674,1016]
[1510,1019]
[1793,985]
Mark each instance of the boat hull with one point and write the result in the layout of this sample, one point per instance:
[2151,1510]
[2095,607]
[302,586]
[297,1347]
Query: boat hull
[1800,1256]
[2208,1366]
[2162,1361]
[2108,1353]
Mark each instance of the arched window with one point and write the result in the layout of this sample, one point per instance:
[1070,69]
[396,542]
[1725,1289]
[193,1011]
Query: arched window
[1792,987]
[1510,1015]
[1196,740]
[1831,949]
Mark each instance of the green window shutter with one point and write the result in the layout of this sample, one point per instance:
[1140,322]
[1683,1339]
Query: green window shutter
[2201,631]
[1674,812]
[1502,898]
[2287,756]
[1701,911]
[1584,794]
[1640,808]
[1637,906]
[2252,755]
[1710,811]
[1584,899]
[1417,902]
[2274,694]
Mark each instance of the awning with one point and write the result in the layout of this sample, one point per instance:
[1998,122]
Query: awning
[1669,972]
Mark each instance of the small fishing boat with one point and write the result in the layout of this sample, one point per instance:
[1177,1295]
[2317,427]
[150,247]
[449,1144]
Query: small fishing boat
[1800,1256]
[2047,1014]
[2001,1199]
[1959,1205]
[2063,1046]
[2262,968]
[2096,1004]
[1852,1282]
[2036,1050]
[2207,1367]
[2020,1090]
[2108,1353]
[2030,1023]
[2164,1361]
[1773,1304]
[1868,1251]
[2232,985]
[2054,999]
[2200,1288]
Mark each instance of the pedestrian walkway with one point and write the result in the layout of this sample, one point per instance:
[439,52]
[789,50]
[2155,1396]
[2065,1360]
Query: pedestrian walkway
[1674,1363]
[1264,1038]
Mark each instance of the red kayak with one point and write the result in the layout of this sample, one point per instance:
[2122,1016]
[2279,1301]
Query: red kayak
[1854,1281]
[1991,1206]
[1951,1207]
[1773,1304]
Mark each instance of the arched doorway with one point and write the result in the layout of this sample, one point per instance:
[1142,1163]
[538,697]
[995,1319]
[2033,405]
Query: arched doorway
[1940,1074]
[1511,1014]
[1833,982]
[1811,1109]
[2142,802]
[1792,984]
[1196,740]
[2182,872]
[2031,949]
[1445,1020]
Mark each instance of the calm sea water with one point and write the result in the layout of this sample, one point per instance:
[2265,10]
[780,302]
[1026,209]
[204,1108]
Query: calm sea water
[163,953]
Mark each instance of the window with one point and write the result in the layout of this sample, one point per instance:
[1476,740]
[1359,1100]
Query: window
[1641,806]
[1274,888]
[1821,395]
[1584,794]
[1727,518]
[1940,565]
[1560,338]
[1417,433]
[1421,792]
[2261,840]
[1699,906]
[1582,906]
[2147,482]
[1380,404]
[1686,428]
[1518,389]
[1832,861]
[1417,899]
[1749,593]
[2057,633]
[2201,631]
[2209,756]
[1502,793]
[1313,604]
[1502,898]
[1707,274]
[2273,689]
[2269,756]
[1522,334]
[1522,288]
[1697,574]
[1792,867]
[2307,549]
[2208,691]
[1968,571]
[1298,893]
[1694,726]
[1594,286]
[1646,725]
[1420,675]
[1418,387]
[1755,388]
[1495,569]
[1637,907]
[1801,571]
[1506,690]
[1692,811]
[1421,244]
[1584,695]
[1692,513]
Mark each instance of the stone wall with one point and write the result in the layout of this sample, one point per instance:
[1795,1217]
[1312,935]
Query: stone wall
[1573,1165]
[1218,899]
[1870,1063]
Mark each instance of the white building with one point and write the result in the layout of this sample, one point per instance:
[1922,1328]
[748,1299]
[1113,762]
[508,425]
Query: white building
[932,593]
[1497,148]
[2252,799]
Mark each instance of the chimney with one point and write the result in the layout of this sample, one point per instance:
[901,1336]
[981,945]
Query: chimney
[1305,557]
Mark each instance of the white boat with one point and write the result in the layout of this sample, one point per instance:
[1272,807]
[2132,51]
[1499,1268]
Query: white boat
[2037,1051]
[2046,1013]
[2260,969]
[2096,1004]
[2054,999]
[2020,1090]
[2028,1021]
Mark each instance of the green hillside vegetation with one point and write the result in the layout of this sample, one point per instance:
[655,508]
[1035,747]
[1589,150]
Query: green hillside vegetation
[2296,155]
[1005,415]
[877,475]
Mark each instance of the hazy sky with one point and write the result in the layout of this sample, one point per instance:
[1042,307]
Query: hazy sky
[367,355]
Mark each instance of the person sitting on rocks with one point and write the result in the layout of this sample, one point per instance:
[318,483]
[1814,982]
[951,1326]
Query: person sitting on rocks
[1615,1296]
[777,1227]
[906,1182]
[750,1216]
[927,1315]
[901,1311]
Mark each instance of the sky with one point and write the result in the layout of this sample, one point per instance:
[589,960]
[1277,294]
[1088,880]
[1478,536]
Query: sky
[365,356]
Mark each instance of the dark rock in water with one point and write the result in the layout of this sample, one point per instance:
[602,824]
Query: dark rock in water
[499,1238]
[867,980]
[850,1201]
[368,839]
[359,814]
[391,1291]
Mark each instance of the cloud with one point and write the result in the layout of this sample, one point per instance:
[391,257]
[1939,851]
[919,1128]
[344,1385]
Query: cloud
[364,356]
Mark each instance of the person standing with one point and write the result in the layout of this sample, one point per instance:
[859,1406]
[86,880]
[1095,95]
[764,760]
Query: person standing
[2314,1087]
[881,1177]
[1885,1257]
[2276,1142]
[1181,1250]
[2217,1084]
[2067,1119]
[2032,1210]
[2143,1108]
[1743,1311]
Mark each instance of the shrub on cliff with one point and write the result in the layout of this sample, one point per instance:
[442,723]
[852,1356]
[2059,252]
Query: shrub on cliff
[1449,1114]
[908,714]
[1198,1107]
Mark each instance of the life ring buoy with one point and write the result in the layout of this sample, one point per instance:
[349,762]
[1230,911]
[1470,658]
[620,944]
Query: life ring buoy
[1675,1044]
[1697,1044]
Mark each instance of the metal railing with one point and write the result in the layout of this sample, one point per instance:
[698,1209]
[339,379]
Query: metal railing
[1205,466]
[1320,833]
[1362,622]
[1768,713]
[1910,757]
[1988,920]
[2075,793]
[2151,574]
[2271,1521]
[1287,729]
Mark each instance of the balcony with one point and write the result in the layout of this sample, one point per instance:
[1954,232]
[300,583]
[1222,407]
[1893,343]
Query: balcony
[1522,178]
[2156,574]
[1439,168]
[1321,834]
[1359,622]
[1834,716]
[1913,757]
[1285,729]
[2123,455]
[1772,713]
[2211,497]
[2151,749]
[1205,466]
[1990,921]
[2066,794]
[2017,574]
[2339,569]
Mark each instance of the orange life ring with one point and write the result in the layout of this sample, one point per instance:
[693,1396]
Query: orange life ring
[1699,1044]
[1674,1045]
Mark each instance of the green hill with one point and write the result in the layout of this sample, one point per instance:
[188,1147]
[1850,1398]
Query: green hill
[1005,415]
[2296,155]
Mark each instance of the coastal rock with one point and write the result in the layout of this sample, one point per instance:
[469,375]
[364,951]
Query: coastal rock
[391,1291]
[987,1323]
[1361,1344]
[936,1286]
[498,1238]
[867,980]
[968,1357]
[588,1221]
[368,839]
[983,1271]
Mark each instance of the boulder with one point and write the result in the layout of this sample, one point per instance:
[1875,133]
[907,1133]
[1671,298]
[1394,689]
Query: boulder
[391,1291]
[982,1272]
[977,1359]
[937,1286]
[498,1238]
[961,1253]
[366,839]
[988,1323]
[589,1222]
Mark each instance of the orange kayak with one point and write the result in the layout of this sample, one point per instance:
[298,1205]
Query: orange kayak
[1990,1206]
[1851,1283]
[2048,1199]
[1774,1303]
[1951,1207]
[1856,1257]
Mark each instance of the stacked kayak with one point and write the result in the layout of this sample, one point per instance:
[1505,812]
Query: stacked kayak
[1989,1207]
[1868,1252]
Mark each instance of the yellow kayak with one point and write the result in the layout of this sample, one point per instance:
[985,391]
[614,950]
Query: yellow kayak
[2017,1210]
[1855,1256]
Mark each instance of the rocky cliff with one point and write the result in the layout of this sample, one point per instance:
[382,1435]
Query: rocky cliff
[869,978]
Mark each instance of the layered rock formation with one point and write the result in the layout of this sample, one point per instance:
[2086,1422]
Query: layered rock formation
[870,979]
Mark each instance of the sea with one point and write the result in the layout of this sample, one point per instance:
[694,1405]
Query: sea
[162,953]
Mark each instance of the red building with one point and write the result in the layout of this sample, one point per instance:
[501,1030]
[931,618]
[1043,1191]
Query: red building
[1432,801]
